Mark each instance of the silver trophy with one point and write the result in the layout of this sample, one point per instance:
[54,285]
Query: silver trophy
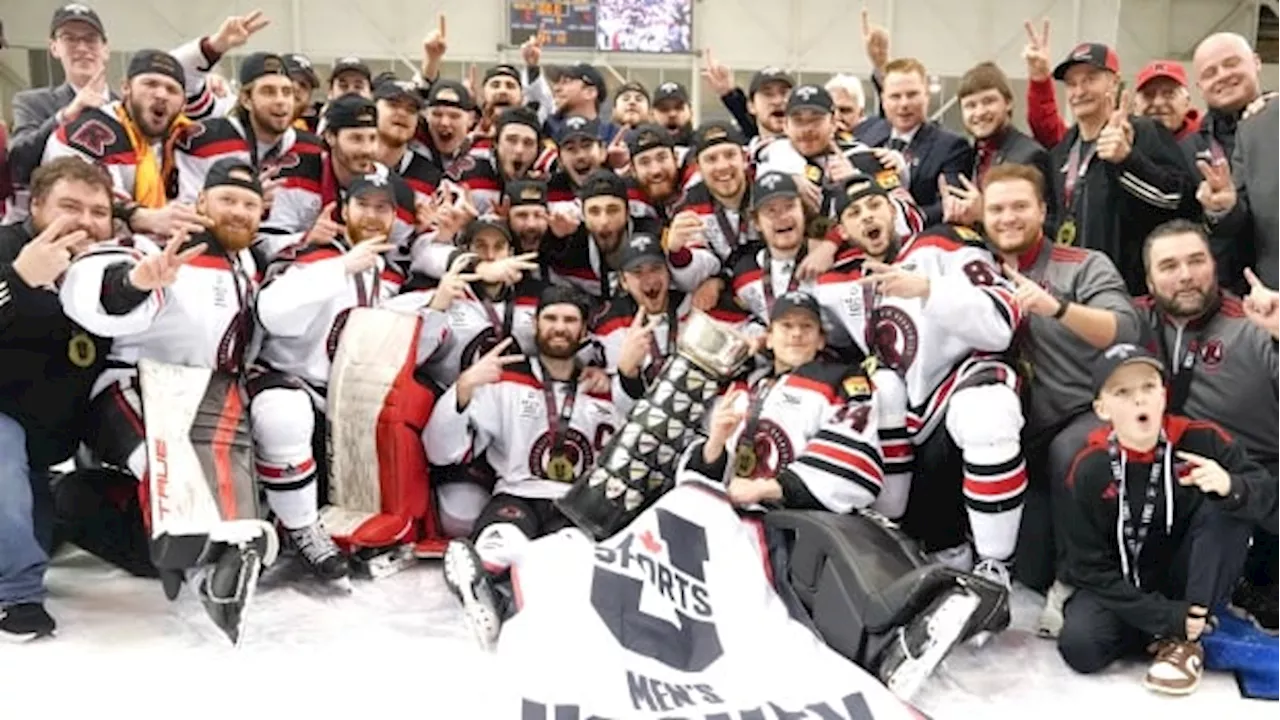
[638,464]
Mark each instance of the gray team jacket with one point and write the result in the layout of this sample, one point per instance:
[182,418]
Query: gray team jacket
[1233,372]
[1058,362]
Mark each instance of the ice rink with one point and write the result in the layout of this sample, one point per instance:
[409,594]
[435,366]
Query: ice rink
[398,645]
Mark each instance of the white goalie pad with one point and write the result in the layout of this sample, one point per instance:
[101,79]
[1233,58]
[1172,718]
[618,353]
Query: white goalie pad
[198,458]
[377,467]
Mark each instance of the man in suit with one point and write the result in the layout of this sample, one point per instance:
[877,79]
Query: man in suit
[931,151]
[77,39]
[986,105]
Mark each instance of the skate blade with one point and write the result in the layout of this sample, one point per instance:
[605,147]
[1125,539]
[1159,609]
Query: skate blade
[461,573]
[945,627]
[230,615]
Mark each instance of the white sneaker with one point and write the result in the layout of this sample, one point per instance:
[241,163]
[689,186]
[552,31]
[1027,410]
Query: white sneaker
[1049,625]
[958,558]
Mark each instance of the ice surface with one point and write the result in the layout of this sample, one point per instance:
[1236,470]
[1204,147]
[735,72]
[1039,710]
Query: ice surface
[397,644]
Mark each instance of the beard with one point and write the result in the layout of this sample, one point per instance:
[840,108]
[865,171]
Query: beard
[367,231]
[556,345]
[1186,302]
[233,236]
[148,123]
[661,187]
[529,240]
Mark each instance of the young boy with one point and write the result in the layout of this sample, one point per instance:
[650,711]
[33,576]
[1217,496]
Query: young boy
[1160,516]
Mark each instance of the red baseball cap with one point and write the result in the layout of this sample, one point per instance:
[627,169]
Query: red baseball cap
[1095,54]
[1161,68]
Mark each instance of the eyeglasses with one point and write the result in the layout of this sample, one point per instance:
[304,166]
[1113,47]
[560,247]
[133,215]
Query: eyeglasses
[846,109]
[91,39]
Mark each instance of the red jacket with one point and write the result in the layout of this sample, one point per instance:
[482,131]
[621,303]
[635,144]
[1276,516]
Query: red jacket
[1048,128]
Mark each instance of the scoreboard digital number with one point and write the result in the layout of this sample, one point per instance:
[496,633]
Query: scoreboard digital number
[570,25]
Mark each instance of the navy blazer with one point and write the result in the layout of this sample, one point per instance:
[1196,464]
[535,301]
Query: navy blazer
[933,151]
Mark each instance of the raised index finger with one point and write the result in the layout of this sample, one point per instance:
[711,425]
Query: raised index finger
[1192,458]
[441,24]
[1254,282]
[866,21]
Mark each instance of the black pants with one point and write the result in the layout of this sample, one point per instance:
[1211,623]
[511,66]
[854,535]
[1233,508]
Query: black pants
[935,515]
[1042,535]
[1204,570]
[534,517]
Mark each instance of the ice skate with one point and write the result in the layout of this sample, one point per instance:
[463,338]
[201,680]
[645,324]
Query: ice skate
[996,572]
[321,555]
[227,586]
[922,645]
[467,579]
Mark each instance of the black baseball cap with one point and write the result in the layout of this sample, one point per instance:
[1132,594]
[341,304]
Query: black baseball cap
[234,172]
[795,300]
[713,133]
[158,62]
[261,64]
[504,69]
[526,192]
[632,86]
[1116,357]
[603,182]
[76,12]
[393,90]
[576,126]
[301,67]
[856,188]
[647,137]
[350,64]
[772,185]
[350,111]
[1095,54]
[449,93]
[810,97]
[640,249]
[670,91]
[768,75]
[563,295]
[482,223]
[380,182]
[587,74]
[518,116]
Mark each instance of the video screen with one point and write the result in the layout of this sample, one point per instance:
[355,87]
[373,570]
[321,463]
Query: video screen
[644,26]
[567,25]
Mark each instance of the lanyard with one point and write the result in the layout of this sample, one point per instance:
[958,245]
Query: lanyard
[657,354]
[1133,538]
[766,279]
[732,237]
[559,421]
[746,457]
[1076,166]
[233,356]
[500,326]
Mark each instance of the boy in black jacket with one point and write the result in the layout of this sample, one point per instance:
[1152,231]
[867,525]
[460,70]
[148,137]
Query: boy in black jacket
[1161,512]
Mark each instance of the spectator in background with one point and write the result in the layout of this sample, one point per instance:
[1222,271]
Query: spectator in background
[1249,197]
[1162,95]
[78,41]
[850,105]
[351,75]
[631,106]
[671,110]
[578,91]
[306,114]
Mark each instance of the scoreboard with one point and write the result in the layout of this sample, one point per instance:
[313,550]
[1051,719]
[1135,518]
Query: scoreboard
[567,24]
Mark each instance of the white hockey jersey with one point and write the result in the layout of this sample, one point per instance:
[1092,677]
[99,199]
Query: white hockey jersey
[816,426]
[759,279]
[303,304]
[967,320]
[674,616]
[204,319]
[511,420]
[471,327]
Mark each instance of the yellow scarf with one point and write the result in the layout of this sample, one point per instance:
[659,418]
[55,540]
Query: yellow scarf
[150,174]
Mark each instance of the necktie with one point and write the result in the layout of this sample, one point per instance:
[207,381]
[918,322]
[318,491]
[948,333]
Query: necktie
[898,144]
[986,153]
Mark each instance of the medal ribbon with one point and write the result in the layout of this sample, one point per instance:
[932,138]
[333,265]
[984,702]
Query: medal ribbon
[1075,167]
[747,438]
[766,279]
[559,421]
[501,326]
[1131,537]
[732,238]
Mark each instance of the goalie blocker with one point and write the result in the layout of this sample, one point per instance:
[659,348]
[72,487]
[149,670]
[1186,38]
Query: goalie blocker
[379,499]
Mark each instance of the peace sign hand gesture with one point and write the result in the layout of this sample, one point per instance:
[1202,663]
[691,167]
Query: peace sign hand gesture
[1217,192]
[717,75]
[485,371]
[454,283]
[1036,52]
[236,31]
[1030,296]
[45,258]
[724,420]
[1262,305]
[155,272]
[635,345]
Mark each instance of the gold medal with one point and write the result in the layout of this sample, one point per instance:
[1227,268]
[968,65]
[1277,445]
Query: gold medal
[744,461]
[560,468]
[1067,232]
[81,351]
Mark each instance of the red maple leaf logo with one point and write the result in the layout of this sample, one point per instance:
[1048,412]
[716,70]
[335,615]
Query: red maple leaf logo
[650,543]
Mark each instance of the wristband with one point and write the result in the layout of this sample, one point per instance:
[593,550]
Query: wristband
[1062,308]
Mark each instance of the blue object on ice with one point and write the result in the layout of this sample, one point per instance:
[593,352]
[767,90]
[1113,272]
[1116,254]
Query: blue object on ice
[1238,645]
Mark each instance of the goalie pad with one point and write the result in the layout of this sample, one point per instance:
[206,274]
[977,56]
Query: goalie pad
[378,486]
[861,579]
[200,465]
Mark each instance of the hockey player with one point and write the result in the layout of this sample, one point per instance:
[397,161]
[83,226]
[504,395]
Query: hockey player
[306,114]
[585,253]
[189,304]
[301,309]
[257,131]
[655,170]
[539,426]
[516,147]
[939,314]
[671,111]
[449,112]
[398,106]
[580,152]
[637,332]
[801,435]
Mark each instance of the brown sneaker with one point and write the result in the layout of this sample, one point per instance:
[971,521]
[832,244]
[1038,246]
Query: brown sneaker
[1177,667]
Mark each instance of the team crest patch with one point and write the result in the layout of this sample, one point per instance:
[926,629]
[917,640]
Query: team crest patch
[81,351]
[856,386]
[888,179]
[896,337]
[1212,353]
[967,233]
[94,137]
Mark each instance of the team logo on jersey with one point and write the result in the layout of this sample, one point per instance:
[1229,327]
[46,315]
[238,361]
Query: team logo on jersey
[482,343]
[1212,353]
[896,337]
[81,351]
[967,233]
[565,464]
[857,386]
[769,451]
[94,137]
[188,135]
